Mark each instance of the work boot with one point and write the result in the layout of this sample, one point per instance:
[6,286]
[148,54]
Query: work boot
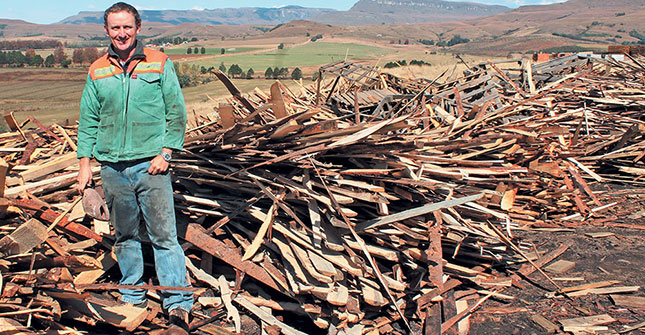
[178,322]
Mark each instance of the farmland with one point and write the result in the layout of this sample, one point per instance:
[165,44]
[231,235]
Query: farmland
[307,54]
[209,51]
[53,94]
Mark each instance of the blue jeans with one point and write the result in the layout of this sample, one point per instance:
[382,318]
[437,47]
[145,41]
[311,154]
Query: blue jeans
[131,192]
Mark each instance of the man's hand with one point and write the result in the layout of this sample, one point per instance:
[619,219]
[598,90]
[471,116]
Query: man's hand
[84,174]
[158,164]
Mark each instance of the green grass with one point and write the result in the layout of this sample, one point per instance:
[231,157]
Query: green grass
[310,54]
[209,51]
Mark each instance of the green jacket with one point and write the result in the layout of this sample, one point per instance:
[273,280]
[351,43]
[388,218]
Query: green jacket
[133,114]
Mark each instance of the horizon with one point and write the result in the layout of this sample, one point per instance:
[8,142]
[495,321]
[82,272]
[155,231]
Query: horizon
[48,12]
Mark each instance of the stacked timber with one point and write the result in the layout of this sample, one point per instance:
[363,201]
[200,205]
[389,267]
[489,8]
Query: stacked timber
[364,204]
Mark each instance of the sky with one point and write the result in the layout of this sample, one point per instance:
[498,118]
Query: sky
[47,11]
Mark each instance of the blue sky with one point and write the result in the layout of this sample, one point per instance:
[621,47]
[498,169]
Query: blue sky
[47,11]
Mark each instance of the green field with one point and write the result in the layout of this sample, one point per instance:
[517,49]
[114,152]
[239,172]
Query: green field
[209,51]
[309,54]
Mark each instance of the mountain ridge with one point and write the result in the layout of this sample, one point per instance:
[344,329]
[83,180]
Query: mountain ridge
[218,16]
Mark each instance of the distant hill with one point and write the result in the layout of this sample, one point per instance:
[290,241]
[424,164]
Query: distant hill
[575,24]
[222,16]
[408,11]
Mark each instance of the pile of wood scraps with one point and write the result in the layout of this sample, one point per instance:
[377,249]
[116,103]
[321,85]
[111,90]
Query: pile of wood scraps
[364,203]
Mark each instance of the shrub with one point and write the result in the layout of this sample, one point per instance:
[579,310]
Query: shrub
[296,74]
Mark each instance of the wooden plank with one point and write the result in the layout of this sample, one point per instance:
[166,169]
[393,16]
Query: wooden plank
[305,261]
[545,324]
[195,235]
[26,237]
[527,269]
[18,189]
[338,295]
[372,296]
[432,322]
[422,210]
[259,237]
[628,300]
[227,117]
[605,290]
[114,313]
[55,165]
[107,261]
[266,316]
[560,267]
[279,108]
[4,169]
[13,327]
[586,322]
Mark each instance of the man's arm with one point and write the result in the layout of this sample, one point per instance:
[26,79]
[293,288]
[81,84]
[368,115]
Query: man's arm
[175,117]
[88,122]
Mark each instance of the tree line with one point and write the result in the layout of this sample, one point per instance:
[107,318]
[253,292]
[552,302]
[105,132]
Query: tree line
[30,44]
[58,57]
[193,75]
[282,73]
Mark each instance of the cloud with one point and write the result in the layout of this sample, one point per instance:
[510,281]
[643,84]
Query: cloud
[197,8]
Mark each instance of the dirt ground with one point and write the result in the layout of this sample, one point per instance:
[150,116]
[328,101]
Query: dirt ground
[619,257]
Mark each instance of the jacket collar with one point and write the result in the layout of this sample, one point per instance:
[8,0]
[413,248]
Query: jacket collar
[138,54]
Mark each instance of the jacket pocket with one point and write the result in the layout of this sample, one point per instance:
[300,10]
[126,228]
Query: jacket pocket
[106,139]
[146,87]
[147,136]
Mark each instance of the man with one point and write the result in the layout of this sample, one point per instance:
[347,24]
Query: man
[132,118]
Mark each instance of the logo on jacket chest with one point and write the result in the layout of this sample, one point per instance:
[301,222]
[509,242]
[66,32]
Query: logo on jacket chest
[134,76]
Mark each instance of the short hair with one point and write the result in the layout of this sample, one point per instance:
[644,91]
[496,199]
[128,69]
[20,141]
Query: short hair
[120,7]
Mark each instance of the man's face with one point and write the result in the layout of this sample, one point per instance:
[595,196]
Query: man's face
[122,30]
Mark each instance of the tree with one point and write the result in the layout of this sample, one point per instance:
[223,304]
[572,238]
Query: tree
[196,51]
[31,53]
[77,56]
[250,73]
[235,70]
[50,61]
[296,74]
[203,70]
[90,54]
[162,50]
[203,51]
[59,54]
[316,75]
[223,51]
[276,72]
[184,80]
[36,61]
[189,51]
[281,46]
[222,67]
[65,63]
[268,74]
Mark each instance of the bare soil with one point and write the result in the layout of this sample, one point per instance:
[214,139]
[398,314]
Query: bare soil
[619,257]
